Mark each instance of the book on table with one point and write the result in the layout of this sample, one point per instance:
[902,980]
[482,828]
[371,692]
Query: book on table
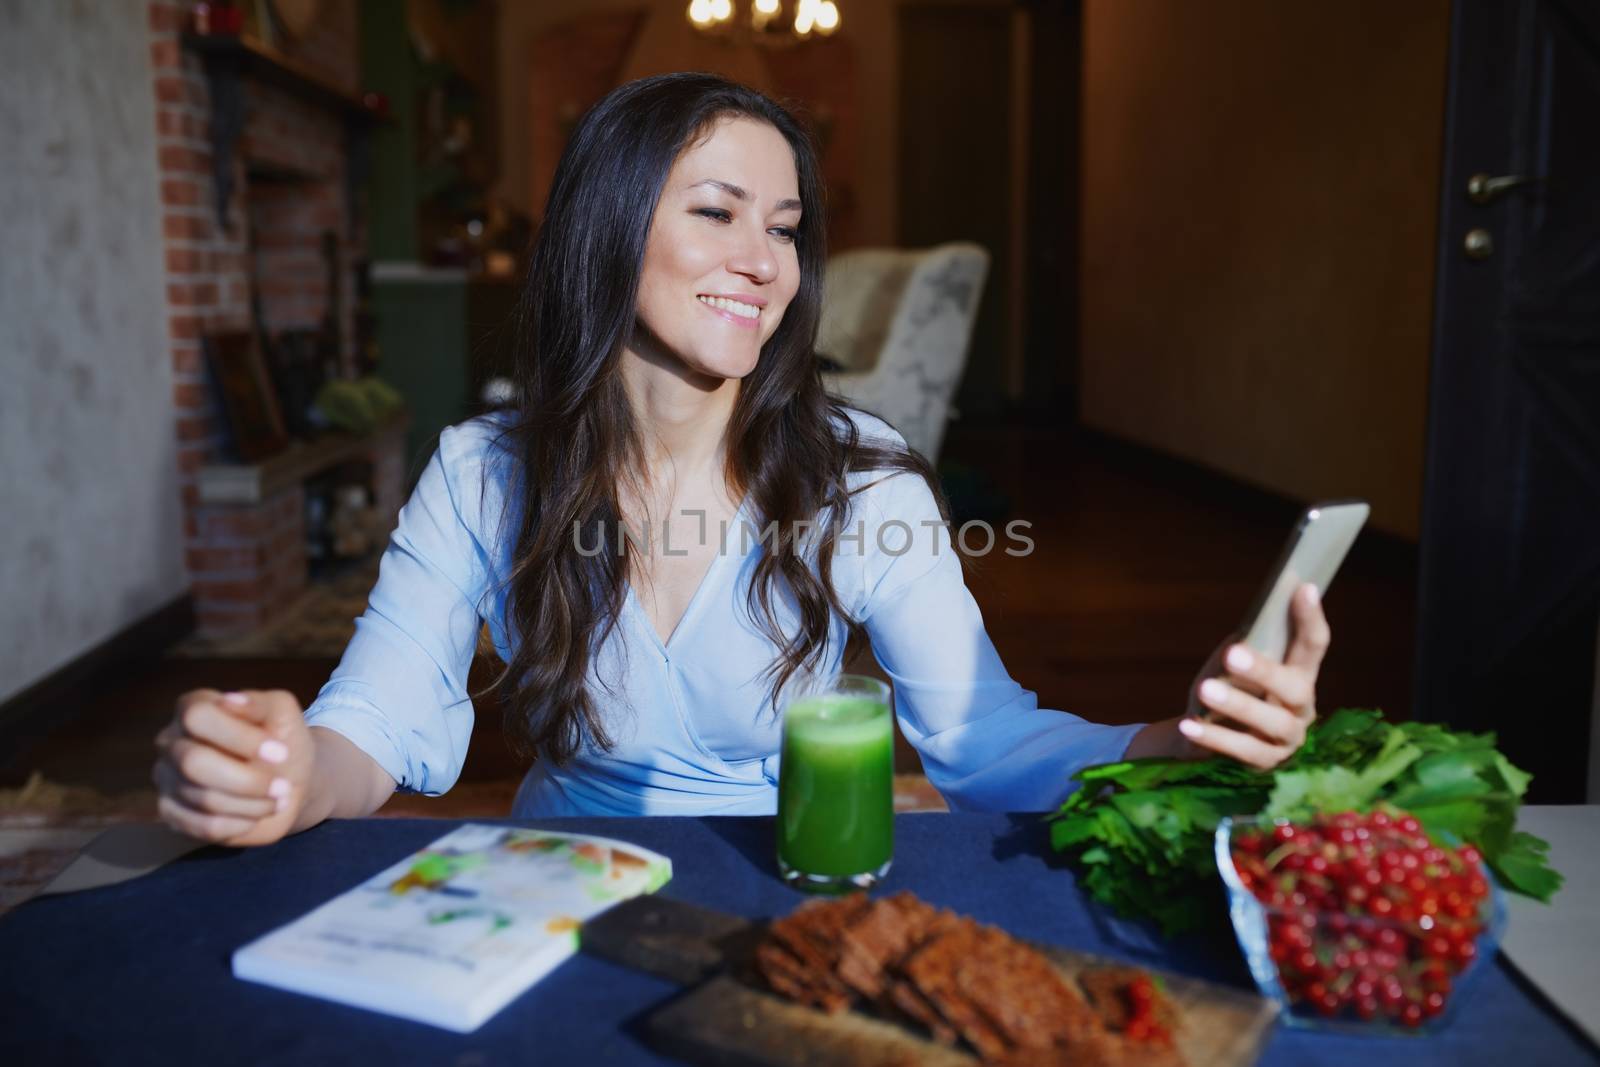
[453,933]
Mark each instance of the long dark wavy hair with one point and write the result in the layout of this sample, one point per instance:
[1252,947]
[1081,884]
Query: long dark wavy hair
[574,440]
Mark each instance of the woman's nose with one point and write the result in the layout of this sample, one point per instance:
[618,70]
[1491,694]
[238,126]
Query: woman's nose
[754,259]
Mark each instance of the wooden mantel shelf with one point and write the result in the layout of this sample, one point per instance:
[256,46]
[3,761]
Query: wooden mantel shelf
[230,60]
[258,60]
[251,483]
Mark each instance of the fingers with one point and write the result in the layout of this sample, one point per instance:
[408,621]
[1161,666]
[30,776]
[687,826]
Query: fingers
[1269,705]
[280,711]
[1246,748]
[1292,686]
[1277,725]
[217,770]
[225,729]
[243,704]
[212,801]
[208,767]
[275,711]
[1311,632]
[198,824]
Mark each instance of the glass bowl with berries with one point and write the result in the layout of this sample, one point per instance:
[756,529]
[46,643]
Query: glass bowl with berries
[1359,921]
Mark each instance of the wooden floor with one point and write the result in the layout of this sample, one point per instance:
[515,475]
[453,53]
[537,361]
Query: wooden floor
[1141,567]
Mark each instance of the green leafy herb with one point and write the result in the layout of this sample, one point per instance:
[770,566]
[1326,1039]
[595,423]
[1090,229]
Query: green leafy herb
[1141,830]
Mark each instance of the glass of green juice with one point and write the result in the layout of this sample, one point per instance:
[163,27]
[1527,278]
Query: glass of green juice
[836,786]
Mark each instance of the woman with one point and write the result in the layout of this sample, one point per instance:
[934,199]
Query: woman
[667,382]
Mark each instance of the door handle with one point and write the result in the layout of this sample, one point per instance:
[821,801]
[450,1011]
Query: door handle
[1482,188]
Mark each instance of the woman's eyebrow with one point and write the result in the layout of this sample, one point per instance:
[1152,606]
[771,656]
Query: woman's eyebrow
[738,193]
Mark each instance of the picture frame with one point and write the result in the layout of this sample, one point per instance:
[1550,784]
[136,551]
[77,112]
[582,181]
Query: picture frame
[248,396]
[295,365]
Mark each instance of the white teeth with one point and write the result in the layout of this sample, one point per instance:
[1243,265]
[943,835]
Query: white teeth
[746,311]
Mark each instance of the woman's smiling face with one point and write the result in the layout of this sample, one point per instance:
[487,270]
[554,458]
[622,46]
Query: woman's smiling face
[720,265]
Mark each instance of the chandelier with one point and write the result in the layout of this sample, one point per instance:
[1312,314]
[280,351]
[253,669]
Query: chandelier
[765,23]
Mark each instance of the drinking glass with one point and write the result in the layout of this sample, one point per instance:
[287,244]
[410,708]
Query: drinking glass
[836,786]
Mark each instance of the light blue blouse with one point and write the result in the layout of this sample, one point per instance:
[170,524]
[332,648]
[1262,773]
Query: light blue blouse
[692,729]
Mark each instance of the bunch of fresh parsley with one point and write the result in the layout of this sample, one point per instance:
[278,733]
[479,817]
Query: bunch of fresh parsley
[1140,831]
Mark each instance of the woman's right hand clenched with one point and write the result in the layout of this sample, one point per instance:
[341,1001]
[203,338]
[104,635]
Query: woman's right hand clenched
[232,768]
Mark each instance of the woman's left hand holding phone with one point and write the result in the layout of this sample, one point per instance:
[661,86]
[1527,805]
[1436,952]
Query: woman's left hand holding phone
[1261,709]
[1257,711]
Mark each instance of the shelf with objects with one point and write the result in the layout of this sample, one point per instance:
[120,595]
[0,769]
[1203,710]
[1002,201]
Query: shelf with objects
[307,509]
[253,483]
[231,59]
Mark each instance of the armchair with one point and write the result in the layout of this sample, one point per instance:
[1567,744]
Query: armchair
[900,322]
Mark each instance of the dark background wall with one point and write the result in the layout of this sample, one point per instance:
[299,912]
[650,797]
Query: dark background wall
[1260,194]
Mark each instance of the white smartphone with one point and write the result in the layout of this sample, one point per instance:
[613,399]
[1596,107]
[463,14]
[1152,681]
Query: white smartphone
[1317,545]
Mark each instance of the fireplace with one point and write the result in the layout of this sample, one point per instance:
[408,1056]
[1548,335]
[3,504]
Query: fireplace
[260,150]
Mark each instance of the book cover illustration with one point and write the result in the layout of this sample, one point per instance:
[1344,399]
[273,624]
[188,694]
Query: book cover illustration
[452,933]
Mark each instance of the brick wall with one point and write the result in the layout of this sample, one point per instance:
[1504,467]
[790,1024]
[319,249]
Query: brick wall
[246,562]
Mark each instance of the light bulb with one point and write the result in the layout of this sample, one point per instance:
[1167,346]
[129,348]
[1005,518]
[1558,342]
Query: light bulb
[721,9]
[828,16]
[700,12]
[767,7]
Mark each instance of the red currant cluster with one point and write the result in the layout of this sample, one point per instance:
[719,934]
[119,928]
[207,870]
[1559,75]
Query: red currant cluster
[1367,916]
[1143,1022]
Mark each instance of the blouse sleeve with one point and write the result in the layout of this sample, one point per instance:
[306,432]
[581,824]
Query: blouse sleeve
[985,742]
[400,690]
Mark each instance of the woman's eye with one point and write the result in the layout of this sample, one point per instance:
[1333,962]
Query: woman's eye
[783,233]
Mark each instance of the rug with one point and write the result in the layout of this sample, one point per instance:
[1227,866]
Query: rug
[316,625]
[44,825]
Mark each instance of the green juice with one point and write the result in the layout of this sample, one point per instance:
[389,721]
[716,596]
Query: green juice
[836,786]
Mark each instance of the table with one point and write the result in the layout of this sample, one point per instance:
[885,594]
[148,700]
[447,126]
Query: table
[138,972]
[1556,945]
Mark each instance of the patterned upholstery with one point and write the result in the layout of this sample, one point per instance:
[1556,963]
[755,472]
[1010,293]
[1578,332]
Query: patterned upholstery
[901,322]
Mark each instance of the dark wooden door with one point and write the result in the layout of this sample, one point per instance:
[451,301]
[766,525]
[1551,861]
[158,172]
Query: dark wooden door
[955,163]
[1510,561]
[1050,329]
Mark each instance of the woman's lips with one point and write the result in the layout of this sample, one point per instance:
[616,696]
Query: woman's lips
[728,316]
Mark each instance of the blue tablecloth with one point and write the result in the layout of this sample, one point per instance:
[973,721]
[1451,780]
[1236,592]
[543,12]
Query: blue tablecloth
[138,973]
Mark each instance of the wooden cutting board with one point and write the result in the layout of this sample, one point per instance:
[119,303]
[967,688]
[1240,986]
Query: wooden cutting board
[727,1021]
